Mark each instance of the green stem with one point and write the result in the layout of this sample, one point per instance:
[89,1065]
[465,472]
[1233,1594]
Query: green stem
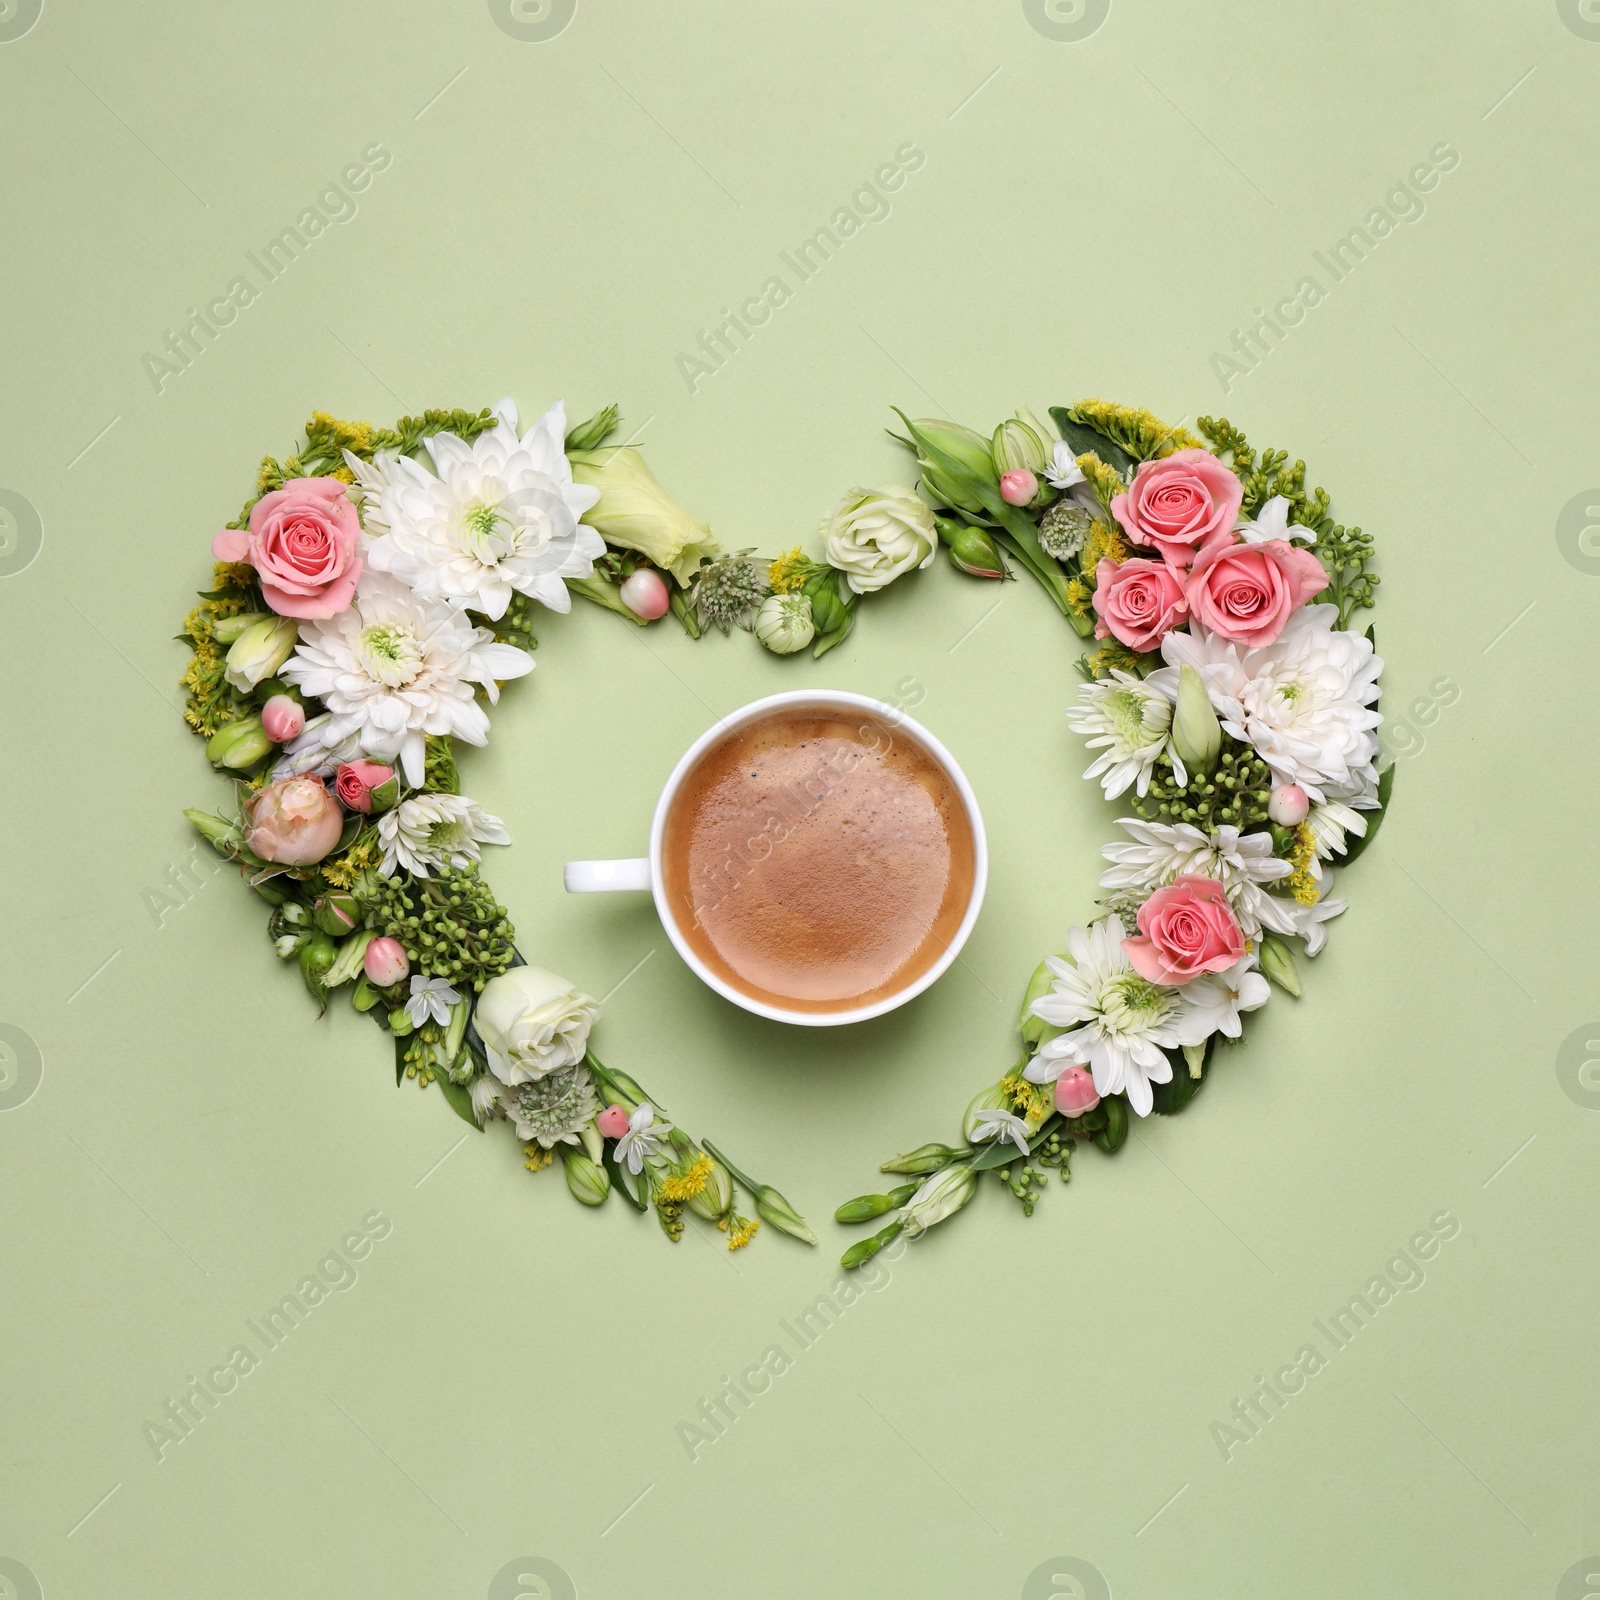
[682,610]
[738,1177]
[604,594]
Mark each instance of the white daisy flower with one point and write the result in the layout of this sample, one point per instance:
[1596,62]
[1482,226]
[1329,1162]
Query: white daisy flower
[1122,1024]
[1130,720]
[1301,701]
[1216,998]
[430,831]
[395,667]
[1241,863]
[430,997]
[495,517]
[1329,823]
[643,1136]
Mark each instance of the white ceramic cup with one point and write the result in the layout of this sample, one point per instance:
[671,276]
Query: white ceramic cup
[646,872]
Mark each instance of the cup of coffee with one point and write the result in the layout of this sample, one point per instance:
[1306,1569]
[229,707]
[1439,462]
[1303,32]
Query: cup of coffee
[817,857]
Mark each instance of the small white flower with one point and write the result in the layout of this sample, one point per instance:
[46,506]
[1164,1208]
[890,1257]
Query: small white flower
[551,1110]
[643,1136]
[1272,522]
[485,1094]
[1130,720]
[1122,1024]
[996,1124]
[1063,471]
[1241,863]
[1308,920]
[430,997]
[430,831]
[1329,823]
[1216,999]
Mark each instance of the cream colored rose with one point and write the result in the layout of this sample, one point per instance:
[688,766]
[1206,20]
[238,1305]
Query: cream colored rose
[532,1023]
[873,535]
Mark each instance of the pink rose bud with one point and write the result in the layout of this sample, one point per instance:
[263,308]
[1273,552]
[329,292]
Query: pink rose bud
[612,1122]
[293,822]
[1288,805]
[356,781]
[385,962]
[1018,487]
[283,718]
[644,593]
[1075,1094]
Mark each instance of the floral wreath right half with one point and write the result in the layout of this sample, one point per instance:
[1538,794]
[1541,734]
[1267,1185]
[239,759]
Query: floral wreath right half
[1229,702]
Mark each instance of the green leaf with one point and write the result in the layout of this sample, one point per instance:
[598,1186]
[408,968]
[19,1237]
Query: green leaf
[1374,818]
[1084,439]
[460,1099]
[635,1190]
[400,1058]
[1171,1098]
[998,1153]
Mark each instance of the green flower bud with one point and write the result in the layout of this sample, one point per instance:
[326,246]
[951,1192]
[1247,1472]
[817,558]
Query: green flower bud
[866,1249]
[317,955]
[924,1159]
[716,1199]
[400,1023]
[238,745]
[592,434]
[828,612]
[864,1208]
[337,913]
[1016,446]
[784,623]
[1114,1135]
[221,834]
[971,549]
[364,997]
[260,650]
[351,955]
[1196,733]
[969,450]
[226,629]
[586,1178]
[1277,962]
[774,1210]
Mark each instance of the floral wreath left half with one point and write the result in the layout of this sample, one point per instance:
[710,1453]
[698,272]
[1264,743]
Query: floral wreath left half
[366,606]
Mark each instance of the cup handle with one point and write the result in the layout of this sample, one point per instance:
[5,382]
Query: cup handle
[592,877]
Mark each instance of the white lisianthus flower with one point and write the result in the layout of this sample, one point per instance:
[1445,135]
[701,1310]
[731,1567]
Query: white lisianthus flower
[532,1023]
[1302,701]
[496,517]
[1122,1025]
[1216,998]
[1241,863]
[430,831]
[874,535]
[311,752]
[1129,720]
[395,667]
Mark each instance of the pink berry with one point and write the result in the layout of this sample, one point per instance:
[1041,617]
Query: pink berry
[1075,1093]
[1288,805]
[282,718]
[1018,487]
[612,1122]
[644,593]
[385,962]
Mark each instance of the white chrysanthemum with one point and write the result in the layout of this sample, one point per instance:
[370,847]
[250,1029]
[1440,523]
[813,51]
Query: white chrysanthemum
[395,667]
[497,516]
[551,1110]
[1122,1024]
[1241,863]
[1130,720]
[1329,823]
[1302,702]
[1216,999]
[430,831]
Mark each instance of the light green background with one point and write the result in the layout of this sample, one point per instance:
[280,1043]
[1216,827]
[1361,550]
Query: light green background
[562,218]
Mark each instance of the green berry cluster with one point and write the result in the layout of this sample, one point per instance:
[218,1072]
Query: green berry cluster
[1026,1182]
[1234,795]
[450,925]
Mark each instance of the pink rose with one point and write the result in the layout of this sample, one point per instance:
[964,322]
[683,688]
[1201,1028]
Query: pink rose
[355,781]
[302,543]
[1178,503]
[1188,928]
[1139,602]
[293,822]
[1246,592]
